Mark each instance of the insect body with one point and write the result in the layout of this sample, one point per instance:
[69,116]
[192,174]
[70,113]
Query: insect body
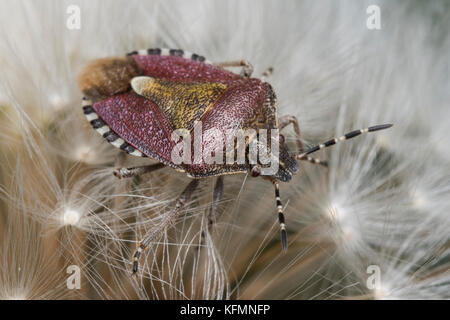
[138,101]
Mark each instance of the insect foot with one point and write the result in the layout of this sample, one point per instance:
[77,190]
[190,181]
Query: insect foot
[135,171]
[123,173]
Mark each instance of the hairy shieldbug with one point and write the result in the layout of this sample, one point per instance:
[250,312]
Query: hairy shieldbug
[137,101]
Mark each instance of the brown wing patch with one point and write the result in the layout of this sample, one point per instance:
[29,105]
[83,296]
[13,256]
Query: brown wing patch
[182,103]
[265,117]
[103,78]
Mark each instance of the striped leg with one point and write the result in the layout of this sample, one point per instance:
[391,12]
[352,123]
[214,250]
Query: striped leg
[287,120]
[247,68]
[168,219]
[136,171]
[281,216]
[217,196]
[346,136]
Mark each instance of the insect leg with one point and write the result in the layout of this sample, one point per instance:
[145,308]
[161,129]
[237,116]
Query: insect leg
[168,219]
[346,136]
[247,68]
[266,74]
[217,196]
[284,121]
[135,171]
[280,216]
[287,120]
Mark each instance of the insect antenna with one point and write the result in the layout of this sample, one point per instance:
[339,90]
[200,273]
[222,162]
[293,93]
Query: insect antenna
[346,136]
[315,161]
[281,216]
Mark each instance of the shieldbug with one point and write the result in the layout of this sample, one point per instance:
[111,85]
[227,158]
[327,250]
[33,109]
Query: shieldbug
[136,102]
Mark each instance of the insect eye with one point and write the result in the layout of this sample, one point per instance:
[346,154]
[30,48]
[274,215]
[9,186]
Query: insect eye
[256,171]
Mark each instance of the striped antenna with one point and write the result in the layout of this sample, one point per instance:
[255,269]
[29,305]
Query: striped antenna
[281,217]
[346,136]
[315,161]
